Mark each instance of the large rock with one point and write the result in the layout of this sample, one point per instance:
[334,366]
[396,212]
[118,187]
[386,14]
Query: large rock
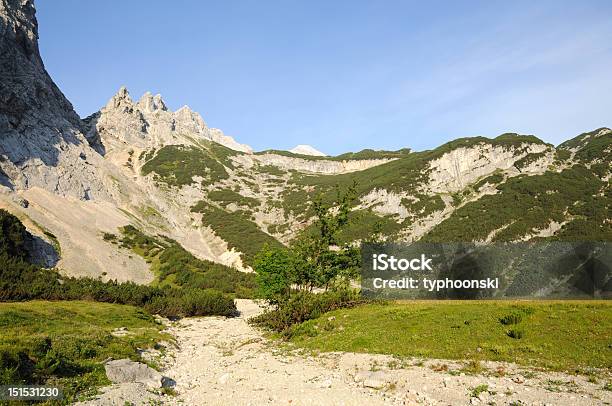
[373,379]
[128,371]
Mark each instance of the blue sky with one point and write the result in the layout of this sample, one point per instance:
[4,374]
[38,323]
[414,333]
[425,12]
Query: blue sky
[343,75]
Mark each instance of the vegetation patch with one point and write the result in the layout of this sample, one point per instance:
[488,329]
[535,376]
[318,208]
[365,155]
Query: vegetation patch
[362,225]
[528,203]
[528,160]
[175,266]
[271,170]
[373,154]
[303,306]
[64,343]
[491,179]
[176,165]
[236,229]
[425,205]
[226,196]
[563,335]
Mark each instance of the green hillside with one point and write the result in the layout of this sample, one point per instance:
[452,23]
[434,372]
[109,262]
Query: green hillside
[569,195]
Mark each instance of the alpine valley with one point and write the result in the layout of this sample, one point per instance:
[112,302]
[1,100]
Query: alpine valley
[135,169]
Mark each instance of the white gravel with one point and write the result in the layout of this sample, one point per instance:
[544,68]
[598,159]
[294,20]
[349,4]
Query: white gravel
[225,361]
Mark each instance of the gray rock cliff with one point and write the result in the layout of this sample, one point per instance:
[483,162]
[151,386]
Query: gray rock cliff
[41,142]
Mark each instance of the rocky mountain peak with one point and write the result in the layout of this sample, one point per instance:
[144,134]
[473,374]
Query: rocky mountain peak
[26,85]
[121,100]
[149,123]
[150,103]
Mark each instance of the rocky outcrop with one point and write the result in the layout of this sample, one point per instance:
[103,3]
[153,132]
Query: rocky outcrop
[322,166]
[148,123]
[41,143]
[458,168]
[384,202]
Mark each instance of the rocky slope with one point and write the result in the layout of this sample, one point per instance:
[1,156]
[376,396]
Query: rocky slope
[54,172]
[166,172]
[42,143]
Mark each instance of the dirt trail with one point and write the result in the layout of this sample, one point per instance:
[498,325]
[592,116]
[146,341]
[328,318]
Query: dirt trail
[225,361]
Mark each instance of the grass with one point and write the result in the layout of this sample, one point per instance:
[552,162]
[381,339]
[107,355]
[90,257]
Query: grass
[176,165]
[478,390]
[174,266]
[236,229]
[225,197]
[64,343]
[567,336]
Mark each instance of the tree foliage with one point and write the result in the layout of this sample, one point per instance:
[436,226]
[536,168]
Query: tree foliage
[316,259]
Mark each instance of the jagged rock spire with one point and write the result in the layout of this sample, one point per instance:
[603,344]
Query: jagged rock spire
[150,103]
[121,100]
[148,123]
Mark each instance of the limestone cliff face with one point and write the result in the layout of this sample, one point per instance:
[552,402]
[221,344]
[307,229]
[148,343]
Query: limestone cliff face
[462,166]
[321,166]
[148,123]
[41,143]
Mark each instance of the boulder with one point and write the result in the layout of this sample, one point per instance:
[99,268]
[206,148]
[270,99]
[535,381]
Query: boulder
[127,371]
[374,380]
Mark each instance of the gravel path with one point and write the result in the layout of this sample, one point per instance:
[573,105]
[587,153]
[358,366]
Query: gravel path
[225,361]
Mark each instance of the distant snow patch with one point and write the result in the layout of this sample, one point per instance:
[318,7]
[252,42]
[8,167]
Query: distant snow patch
[306,150]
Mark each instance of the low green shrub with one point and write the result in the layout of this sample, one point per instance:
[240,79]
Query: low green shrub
[237,229]
[302,306]
[515,333]
[478,390]
[512,318]
[192,302]
[22,281]
[15,367]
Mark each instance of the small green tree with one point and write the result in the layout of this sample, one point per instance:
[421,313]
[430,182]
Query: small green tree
[315,259]
[319,260]
[274,269]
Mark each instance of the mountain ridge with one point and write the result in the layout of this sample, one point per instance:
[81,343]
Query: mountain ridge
[167,174]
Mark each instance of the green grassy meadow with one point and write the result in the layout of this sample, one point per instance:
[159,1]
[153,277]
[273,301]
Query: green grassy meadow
[568,336]
[64,343]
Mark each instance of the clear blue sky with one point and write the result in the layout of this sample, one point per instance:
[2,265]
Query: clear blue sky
[343,75]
